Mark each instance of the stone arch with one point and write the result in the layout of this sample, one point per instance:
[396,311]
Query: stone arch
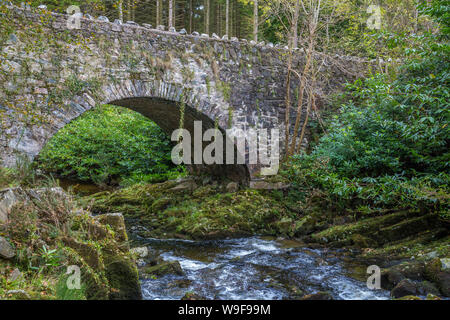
[160,102]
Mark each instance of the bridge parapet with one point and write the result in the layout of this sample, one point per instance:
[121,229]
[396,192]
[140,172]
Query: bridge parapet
[51,74]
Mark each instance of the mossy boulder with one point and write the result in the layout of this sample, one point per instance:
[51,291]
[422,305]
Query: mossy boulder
[198,212]
[434,273]
[122,276]
[404,288]
[161,269]
[321,295]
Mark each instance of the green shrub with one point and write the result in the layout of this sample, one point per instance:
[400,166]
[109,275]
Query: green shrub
[389,145]
[110,145]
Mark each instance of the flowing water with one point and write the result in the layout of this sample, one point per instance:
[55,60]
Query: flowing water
[252,268]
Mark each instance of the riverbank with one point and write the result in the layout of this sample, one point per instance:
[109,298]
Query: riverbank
[50,248]
[396,241]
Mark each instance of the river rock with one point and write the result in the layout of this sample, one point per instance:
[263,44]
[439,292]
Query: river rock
[6,250]
[165,267]
[425,288]
[322,295]
[407,270]
[435,273]
[404,288]
[193,296]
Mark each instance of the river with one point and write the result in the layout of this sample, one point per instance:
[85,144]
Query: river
[253,268]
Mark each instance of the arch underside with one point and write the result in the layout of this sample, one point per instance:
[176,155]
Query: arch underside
[166,114]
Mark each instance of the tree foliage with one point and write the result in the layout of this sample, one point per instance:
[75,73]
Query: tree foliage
[110,145]
[389,145]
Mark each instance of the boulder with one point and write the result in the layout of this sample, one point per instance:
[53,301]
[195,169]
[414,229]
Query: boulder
[425,288]
[192,296]
[165,267]
[407,270]
[318,296]
[443,282]
[435,273]
[6,250]
[404,288]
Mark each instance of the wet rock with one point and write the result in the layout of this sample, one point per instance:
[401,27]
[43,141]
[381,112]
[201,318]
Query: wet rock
[318,296]
[434,273]
[161,269]
[193,296]
[123,276]
[184,283]
[408,270]
[6,250]
[425,288]
[404,288]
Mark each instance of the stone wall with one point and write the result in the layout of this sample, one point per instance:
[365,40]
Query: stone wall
[50,75]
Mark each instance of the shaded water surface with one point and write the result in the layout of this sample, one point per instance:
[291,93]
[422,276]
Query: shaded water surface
[252,268]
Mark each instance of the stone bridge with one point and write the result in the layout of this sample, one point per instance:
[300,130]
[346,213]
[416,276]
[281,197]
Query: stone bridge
[51,73]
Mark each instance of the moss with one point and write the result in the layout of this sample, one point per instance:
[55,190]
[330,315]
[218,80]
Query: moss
[122,275]
[58,238]
[161,269]
[198,212]
[369,227]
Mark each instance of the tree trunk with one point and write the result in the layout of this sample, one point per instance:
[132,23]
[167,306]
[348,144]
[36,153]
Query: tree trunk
[295,25]
[129,10]
[191,15]
[121,10]
[170,13]
[207,8]
[255,21]
[227,18]
[158,10]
